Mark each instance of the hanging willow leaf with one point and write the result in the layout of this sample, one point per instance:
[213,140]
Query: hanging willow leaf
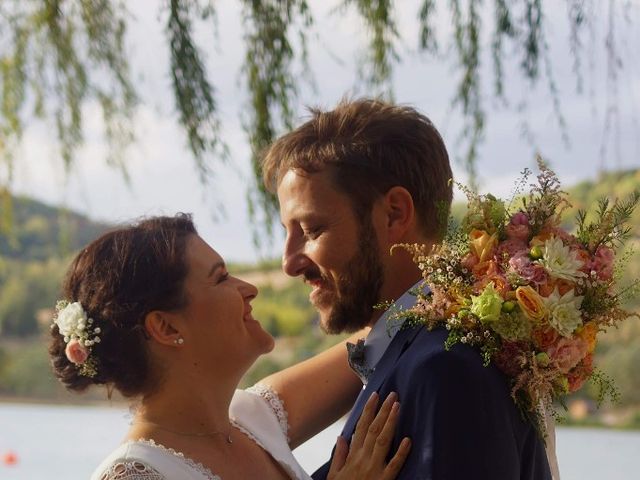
[503,28]
[272,87]
[468,95]
[57,56]
[377,16]
[192,90]
[577,15]
[532,45]
[428,41]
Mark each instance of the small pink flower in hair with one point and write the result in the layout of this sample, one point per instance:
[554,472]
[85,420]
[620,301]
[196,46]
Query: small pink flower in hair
[76,352]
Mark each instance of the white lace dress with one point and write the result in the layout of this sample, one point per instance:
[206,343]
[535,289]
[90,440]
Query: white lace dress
[257,411]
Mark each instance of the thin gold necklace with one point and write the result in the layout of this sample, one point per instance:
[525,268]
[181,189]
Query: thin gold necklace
[228,438]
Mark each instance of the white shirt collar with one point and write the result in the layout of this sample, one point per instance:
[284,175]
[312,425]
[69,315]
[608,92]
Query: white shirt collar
[381,334]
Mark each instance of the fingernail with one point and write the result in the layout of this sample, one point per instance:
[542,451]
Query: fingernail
[395,407]
[373,395]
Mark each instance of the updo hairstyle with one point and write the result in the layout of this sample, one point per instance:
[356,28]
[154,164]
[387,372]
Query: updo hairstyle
[119,278]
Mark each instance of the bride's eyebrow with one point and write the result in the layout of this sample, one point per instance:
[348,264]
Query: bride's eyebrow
[215,267]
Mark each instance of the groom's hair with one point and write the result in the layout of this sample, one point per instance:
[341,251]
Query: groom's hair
[370,146]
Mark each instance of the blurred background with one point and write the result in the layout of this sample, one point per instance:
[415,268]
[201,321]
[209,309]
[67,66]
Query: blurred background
[113,110]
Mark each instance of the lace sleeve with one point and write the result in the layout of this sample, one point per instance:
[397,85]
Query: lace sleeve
[130,470]
[275,402]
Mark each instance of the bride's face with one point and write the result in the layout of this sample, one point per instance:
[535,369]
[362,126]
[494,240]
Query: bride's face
[219,328]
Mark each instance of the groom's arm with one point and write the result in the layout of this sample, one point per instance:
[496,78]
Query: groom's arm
[458,415]
[318,391]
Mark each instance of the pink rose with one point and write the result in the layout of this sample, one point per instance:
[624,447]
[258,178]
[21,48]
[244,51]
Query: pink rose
[76,352]
[511,358]
[469,261]
[511,248]
[603,263]
[580,373]
[531,272]
[519,218]
[518,227]
[567,353]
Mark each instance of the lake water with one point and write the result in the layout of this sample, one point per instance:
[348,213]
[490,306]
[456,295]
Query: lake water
[58,442]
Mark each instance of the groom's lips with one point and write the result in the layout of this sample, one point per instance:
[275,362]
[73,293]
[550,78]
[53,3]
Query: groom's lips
[318,288]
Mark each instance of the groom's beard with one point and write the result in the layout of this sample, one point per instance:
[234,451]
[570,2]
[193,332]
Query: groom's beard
[358,289]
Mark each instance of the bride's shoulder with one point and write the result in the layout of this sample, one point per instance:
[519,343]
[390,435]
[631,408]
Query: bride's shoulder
[130,461]
[145,459]
[259,399]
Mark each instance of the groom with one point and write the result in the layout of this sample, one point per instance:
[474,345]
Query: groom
[353,182]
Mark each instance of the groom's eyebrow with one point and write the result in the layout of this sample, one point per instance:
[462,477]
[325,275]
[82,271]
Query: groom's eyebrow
[215,267]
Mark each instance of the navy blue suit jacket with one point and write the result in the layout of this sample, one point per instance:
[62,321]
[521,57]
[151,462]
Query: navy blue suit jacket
[460,416]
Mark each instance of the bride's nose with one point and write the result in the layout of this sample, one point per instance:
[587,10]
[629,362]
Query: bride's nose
[248,290]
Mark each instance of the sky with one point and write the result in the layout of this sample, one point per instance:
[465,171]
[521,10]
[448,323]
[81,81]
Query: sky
[161,169]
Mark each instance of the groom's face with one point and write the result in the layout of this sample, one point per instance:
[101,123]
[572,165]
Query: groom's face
[335,252]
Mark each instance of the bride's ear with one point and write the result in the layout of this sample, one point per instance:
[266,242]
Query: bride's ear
[160,326]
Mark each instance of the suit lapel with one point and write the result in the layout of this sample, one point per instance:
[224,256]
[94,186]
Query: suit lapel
[396,348]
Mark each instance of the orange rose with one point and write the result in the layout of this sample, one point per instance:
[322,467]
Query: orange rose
[562,285]
[485,269]
[588,333]
[499,282]
[483,244]
[545,336]
[531,303]
[539,239]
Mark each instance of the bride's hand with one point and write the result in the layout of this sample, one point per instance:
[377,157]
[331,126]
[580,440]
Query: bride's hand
[366,457]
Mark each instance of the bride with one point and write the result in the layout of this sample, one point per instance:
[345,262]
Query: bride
[152,312]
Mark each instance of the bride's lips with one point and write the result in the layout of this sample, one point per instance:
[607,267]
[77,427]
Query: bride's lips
[247,315]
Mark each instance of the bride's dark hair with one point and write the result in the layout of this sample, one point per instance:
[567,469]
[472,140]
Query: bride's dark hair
[118,279]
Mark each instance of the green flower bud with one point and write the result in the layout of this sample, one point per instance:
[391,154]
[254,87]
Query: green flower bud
[536,252]
[543,360]
[508,306]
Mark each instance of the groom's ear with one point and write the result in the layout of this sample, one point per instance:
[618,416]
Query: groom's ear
[160,327]
[400,212]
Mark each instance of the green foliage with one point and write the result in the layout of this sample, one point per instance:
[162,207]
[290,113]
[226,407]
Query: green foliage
[272,86]
[611,226]
[284,312]
[379,21]
[27,373]
[33,260]
[58,56]
[193,92]
[41,231]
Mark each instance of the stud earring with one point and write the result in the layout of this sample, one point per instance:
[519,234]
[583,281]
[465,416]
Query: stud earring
[179,341]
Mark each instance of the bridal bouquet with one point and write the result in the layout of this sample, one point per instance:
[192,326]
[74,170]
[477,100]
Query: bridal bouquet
[530,295]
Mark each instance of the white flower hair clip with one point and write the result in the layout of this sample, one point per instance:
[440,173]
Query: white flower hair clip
[79,334]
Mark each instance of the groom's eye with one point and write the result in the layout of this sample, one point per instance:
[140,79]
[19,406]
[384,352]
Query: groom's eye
[312,232]
[223,277]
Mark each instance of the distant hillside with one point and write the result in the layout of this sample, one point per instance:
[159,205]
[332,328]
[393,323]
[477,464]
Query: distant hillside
[612,185]
[39,231]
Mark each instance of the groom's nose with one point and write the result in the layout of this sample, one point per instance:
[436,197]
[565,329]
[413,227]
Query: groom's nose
[294,261]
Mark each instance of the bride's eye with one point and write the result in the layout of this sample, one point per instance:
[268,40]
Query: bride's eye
[223,277]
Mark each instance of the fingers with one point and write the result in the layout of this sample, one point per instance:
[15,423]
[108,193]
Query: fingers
[374,432]
[367,416]
[382,442]
[393,467]
[339,457]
